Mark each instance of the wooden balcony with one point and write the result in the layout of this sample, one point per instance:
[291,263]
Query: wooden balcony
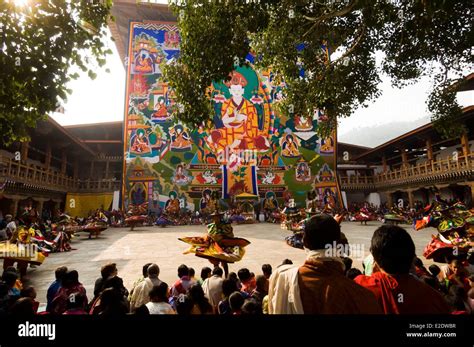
[441,171]
[40,177]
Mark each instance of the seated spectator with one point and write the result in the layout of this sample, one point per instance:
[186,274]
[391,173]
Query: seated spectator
[75,304]
[4,299]
[455,299]
[396,290]
[459,275]
[233,276]
[184,305]
[236,301]
[347,264]
[212,287]
[353,273]
[111,304]
[30,292]
[267,270]
[229,286]
[70,284]
[10,278]
[139,280]
[159,300]
[420,269]
[141,292]
[55,286]
[200,304]
[192,273]
[182,285]
[319,285]
[107,271]
[247,279]
[261,289]
[251,307]
[206,272]
[22,308]
[141,311]
[434,270]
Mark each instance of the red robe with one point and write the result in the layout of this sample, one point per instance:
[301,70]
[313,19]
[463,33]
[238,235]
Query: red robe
[403,294]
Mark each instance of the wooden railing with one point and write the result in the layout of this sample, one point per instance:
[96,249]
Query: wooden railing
[428,172]
[49,179]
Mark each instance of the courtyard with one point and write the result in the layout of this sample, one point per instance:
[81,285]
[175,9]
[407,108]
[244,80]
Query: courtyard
[130,250]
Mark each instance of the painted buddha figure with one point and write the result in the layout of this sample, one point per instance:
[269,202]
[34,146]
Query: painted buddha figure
[161,112]
[289,147]
[143,63]
[140,143]
[239,118]
[327,145]
[180,139]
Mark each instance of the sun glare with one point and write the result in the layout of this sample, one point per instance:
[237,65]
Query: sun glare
[21,2]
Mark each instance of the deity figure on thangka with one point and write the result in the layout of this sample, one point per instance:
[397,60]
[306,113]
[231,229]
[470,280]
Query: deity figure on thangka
[455,224]
[239,119]
[219,245]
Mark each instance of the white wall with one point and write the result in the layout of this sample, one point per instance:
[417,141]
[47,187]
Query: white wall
[374,198]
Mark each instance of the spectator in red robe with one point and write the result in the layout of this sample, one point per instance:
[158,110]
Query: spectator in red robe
[397,291]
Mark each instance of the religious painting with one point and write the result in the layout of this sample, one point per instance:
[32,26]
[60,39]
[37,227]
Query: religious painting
[208,177]
[289,146]
[180,139]
[325,174]
[181,176]
[247,147]
[303,172]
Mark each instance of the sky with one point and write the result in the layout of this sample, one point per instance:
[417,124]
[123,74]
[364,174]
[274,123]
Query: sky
[395,112]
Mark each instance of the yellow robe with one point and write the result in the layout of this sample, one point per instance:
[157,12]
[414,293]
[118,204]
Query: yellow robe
[246,132]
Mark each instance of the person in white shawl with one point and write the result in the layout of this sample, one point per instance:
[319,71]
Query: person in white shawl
[140,295]
[319,285]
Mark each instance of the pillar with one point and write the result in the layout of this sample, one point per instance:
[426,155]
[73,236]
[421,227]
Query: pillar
[404,158]
[107,169]
[465,145]
[15,207]
[39,207]
[63,161]
[389,199]
[47,159]
[76,169]
[24,151]
[429,147]
[91,174]
[410,199]
[384,163]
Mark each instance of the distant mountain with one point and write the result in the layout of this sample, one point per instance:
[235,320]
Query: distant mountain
[372,136]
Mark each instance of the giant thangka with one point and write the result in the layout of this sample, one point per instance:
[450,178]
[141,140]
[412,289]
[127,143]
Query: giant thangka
[247,148]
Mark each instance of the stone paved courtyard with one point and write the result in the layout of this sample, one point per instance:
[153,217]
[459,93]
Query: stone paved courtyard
[131,249]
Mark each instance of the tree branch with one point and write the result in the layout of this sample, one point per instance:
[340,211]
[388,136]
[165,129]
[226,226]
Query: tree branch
[354,46]
[320,19]
[338,13]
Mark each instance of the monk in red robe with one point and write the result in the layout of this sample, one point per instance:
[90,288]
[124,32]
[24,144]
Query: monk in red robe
[397,291]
